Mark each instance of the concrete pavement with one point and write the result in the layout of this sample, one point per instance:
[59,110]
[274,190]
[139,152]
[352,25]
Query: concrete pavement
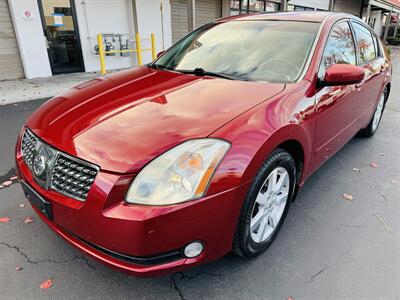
[329,248]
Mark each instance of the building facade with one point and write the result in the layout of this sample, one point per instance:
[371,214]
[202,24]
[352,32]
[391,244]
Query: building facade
[40,38]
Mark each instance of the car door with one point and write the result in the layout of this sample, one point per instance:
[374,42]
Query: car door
[336,110]
[370,57]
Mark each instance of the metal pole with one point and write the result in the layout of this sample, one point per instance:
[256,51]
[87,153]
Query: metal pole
[191,14]
[138,49]
[388,20]
[331,5]
[101,54]
[153,46]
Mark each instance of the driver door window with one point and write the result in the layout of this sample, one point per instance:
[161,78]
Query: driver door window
[339,49]
[336,106]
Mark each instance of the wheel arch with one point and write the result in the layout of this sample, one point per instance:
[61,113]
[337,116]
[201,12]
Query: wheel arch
[295,149]
[388,87]
[294,139]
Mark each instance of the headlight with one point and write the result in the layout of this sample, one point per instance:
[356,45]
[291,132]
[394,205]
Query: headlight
[178,175]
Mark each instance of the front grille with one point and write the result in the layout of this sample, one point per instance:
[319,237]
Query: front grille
[72,178]
[28,146]
[63,173]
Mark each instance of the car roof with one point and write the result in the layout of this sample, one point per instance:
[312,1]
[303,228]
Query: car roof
[304,16]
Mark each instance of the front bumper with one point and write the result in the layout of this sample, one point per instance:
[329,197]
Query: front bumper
[137,239]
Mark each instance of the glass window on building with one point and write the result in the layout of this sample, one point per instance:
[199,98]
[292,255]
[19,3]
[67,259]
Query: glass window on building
[292,7]
[253,6]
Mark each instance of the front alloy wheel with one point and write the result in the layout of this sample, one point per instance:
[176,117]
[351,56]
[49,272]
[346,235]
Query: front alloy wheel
[266,204]
[269,205]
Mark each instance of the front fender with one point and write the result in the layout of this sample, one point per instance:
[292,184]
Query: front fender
[256,133]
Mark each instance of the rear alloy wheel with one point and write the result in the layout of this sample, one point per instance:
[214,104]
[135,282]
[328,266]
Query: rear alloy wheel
[376,118]
[266,204]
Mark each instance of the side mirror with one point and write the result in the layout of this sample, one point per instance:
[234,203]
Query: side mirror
[343,74]
[160,53]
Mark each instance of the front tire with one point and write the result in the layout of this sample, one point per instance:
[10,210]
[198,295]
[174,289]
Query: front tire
[373,125]
[266,205]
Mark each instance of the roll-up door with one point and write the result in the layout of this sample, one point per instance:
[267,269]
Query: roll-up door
[179,19]
[351,7]
[207,10]
[10,60]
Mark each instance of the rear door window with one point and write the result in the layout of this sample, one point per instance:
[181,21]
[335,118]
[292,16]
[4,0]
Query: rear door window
[365,43]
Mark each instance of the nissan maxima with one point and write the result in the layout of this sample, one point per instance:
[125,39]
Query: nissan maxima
[176,163]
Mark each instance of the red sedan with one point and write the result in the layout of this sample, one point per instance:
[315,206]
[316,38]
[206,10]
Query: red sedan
[201,152]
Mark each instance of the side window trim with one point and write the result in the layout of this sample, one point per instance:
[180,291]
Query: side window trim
[375,40]
[353,33]
[345,20]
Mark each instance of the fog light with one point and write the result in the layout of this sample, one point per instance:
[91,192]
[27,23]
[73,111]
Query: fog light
[193,249]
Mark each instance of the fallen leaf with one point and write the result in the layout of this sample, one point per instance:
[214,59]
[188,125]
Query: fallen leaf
[18,268]
[373,165]
[383,222]
[5,219]
[22,205]
[46,284]
[6,183]
[14,178]
[28,220]
[356,170]
[348,197]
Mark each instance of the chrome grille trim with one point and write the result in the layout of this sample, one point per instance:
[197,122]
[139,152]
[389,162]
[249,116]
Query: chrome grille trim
[28,147]
[66,174]
[72,178]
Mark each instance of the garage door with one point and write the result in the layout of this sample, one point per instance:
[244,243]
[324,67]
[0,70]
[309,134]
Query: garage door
[205,11]
[179,19]
[10,60]
[351,7]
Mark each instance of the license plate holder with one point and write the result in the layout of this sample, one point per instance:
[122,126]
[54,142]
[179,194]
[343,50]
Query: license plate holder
[37,201]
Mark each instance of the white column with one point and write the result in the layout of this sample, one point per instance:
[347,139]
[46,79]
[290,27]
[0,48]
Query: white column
[31,41]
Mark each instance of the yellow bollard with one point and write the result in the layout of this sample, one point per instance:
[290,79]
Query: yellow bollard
[101,54]
[153,46]
[138,49]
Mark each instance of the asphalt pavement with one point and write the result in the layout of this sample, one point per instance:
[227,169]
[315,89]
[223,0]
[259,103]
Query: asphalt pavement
[328,248]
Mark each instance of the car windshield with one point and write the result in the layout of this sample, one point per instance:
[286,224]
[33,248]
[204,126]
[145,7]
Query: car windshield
[272,51]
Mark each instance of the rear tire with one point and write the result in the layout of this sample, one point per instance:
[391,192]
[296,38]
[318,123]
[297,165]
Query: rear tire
[266,205]
[373,125]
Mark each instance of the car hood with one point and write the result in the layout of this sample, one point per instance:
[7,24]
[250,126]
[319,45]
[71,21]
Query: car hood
[122,121]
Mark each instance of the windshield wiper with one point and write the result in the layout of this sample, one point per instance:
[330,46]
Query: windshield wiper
[202,72]
[159,67]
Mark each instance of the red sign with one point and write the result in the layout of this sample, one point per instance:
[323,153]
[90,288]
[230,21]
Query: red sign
[27,14]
